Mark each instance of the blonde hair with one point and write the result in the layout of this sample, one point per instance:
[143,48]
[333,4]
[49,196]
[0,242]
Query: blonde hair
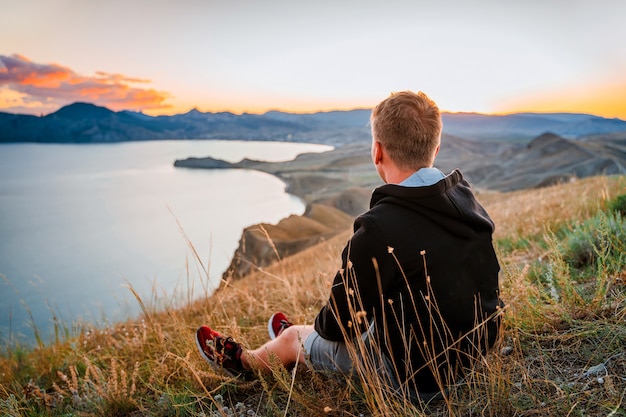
[408,125]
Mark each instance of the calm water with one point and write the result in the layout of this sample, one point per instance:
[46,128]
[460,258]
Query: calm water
[78,223]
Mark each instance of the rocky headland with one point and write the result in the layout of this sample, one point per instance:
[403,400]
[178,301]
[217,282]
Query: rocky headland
[334,185]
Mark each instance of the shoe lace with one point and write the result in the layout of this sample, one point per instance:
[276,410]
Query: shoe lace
[226,348]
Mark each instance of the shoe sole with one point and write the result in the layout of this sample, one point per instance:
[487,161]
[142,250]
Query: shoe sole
[270,330]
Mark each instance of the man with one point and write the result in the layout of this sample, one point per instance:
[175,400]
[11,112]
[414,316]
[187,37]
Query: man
[417,298]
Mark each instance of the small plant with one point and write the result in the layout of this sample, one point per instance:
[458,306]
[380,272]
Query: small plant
[509,244]
[112,394]
[601,238]
[618,204]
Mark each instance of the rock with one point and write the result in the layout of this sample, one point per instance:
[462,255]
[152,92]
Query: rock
[263,244]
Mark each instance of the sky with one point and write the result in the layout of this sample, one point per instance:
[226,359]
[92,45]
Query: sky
[168,57]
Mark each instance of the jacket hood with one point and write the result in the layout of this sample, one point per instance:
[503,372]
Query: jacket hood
[449,203]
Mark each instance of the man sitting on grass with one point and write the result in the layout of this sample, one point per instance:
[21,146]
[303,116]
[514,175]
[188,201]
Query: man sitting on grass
[416,300]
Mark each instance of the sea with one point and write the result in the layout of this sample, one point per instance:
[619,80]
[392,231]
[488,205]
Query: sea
[87,230]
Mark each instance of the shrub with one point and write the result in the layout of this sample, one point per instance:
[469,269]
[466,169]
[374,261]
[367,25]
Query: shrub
[601,238]
[618,204]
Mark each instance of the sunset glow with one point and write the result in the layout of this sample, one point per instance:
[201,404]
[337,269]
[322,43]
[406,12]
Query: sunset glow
[167,58]
[606,98]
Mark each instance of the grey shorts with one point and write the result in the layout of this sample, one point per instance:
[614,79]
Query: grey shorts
[328,355]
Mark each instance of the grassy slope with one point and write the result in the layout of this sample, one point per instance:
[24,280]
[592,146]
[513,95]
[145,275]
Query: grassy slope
[150,366]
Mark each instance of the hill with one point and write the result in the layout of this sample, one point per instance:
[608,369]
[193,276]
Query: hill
[550,159]
[87,123]
[562,351]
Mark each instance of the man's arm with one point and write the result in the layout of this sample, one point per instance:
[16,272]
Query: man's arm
[356,289]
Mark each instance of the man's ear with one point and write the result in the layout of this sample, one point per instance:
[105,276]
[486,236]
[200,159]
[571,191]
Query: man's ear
[378,152]
[437,150]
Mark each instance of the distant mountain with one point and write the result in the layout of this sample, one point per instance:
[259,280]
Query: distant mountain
[86,123]
[77,123]
[520,127]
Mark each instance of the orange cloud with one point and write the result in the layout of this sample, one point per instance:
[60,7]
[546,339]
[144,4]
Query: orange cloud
[53,83]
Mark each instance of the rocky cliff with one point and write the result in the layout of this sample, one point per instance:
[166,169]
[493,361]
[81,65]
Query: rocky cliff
[263,244]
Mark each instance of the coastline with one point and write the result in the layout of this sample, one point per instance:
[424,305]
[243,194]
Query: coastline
[335,186]
[314,177]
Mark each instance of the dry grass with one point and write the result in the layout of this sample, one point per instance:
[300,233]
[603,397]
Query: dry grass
[558,359]
[531,212]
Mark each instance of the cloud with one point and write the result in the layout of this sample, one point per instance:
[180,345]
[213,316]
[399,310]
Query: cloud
[57,85]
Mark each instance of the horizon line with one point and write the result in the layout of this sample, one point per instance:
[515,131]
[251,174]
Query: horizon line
[307,112]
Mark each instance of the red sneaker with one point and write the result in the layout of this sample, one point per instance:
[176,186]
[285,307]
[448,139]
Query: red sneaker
[220,352]
[276,324]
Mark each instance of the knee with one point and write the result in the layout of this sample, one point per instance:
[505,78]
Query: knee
[289,336]
[294,335]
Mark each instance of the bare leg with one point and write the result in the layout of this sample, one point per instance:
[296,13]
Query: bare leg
[287,348]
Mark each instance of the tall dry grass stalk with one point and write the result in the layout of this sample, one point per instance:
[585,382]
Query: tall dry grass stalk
[377,377]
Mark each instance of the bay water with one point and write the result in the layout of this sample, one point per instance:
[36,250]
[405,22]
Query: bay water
[79,224]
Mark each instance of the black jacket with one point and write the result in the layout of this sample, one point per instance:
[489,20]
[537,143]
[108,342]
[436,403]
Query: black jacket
[411,233]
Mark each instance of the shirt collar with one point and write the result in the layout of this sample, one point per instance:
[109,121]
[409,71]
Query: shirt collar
[423,177]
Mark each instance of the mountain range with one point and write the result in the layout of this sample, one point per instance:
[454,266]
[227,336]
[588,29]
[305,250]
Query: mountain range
[88,123]
[499,153]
